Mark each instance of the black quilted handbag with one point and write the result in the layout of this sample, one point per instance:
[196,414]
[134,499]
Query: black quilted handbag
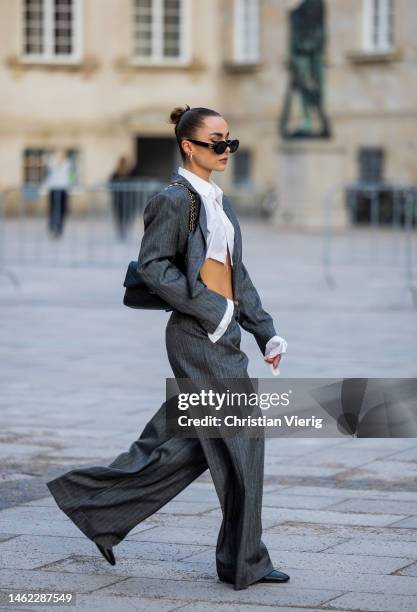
[137,293]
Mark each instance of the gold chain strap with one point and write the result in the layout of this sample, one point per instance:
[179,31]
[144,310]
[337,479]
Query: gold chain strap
[193,211]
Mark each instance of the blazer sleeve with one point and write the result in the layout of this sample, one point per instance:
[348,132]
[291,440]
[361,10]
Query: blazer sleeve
[252,317]
[158,248]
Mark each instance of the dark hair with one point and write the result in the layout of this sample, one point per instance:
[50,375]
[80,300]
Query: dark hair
[187,120]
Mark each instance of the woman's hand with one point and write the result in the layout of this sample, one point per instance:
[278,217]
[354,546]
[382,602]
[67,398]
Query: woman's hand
[274,360]
[274,349]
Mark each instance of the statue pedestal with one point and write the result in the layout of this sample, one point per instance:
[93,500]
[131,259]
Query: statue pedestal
[308,172]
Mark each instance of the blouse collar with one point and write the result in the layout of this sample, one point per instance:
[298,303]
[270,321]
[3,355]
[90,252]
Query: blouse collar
[203,187]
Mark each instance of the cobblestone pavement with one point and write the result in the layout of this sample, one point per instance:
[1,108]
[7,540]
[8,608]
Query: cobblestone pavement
[81,374]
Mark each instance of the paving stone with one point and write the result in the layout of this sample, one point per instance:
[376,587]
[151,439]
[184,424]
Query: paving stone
[283,500]
[375,506]
[4,537]
[348,493]
[280,468]
[409,522]
[89,603]
[24,513]
[347,532]
[16,559]
[410,570]
[261,593]
[58,527]
[202,606]
[397,471]
[375,547]
[156,550]
[96,603]
[188,507]
[206,521]
[58,582]
[373,602]
[327,562]
[342,457]
[202,536]
[280,515]
[129,566]
[409,454]
[122,604]
[65,546]
[202,494]
[324,577]
[42,502]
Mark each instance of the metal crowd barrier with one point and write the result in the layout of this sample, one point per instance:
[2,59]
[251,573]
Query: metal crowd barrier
[100,224]
[103,225]
[380,233]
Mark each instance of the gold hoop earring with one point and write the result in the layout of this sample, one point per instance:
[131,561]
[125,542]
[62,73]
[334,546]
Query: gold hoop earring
[190,156]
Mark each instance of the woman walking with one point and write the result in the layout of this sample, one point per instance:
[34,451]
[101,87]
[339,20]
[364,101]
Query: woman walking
[212,295]
[58,182]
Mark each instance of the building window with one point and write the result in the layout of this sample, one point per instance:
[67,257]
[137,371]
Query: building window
[161,31]
[246,31]
[52,30]
[371,164]
[242,168]
[36,161]
[378,25]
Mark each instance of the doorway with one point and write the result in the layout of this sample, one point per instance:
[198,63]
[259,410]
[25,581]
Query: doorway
[156,157]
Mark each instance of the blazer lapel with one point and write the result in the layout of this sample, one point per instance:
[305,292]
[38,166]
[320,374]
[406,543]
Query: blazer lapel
[228,210]
[237,253]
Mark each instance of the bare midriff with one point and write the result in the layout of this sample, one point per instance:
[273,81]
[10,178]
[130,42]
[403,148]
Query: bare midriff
[218,276]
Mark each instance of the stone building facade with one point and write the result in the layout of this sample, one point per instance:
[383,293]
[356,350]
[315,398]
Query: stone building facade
[99,78]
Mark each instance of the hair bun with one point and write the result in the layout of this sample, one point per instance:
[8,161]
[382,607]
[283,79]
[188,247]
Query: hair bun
[177,113]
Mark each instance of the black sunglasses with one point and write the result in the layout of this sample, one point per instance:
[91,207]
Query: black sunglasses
[218,147]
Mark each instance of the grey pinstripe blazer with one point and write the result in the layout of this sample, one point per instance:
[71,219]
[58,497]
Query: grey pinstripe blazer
[164,269]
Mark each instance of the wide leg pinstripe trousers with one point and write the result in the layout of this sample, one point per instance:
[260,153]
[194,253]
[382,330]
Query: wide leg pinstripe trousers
[107,502]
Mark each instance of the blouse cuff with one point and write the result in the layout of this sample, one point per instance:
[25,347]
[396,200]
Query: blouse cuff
[275,346]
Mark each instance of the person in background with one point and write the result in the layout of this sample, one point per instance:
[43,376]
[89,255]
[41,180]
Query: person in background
[122,202]
[58,181]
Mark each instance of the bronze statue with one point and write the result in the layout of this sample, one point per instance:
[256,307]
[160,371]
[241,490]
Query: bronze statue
[307,42]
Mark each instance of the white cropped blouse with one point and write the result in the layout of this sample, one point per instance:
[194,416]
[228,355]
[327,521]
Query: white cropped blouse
[220,235]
